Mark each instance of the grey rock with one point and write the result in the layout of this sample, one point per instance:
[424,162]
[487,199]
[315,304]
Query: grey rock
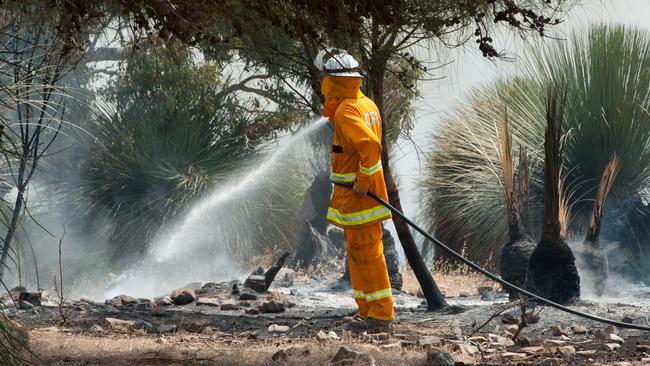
[464,294]
[163,301]
[348,356]
[183,296]
[271,306]
[207,301]
[438,357]
[247,296]
[229,305]
[122,300]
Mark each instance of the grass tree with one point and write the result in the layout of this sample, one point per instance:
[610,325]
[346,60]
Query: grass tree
[552,272]
[606,71]
[593,251]
[516,252]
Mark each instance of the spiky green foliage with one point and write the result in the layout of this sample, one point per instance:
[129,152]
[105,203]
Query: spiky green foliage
[606,71]
[14,347]
[164,136]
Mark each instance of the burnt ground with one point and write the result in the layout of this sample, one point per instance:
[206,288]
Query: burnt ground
[203,334]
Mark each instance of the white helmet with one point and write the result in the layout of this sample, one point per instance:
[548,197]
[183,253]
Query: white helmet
[337,63]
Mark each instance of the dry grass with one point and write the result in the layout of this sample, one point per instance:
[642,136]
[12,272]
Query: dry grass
[56,347]
[451,279]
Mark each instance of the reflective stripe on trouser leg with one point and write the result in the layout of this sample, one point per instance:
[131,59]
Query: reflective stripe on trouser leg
[368,271]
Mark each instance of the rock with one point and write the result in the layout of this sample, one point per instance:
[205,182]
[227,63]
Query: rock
[235,288]
[96,329]
[229,305]
[252,311]
[616,339]
[464,294]
[523,341]
[272,306]
[122,300]
[548,362]
[348,356]
[163,301]
[600,335]
[244,304]
[557,331]
[429,341]
[438,357]
[332,334]
[612,346]
[183,296]
[256,283]
[567,351]
[120,325]
[247,296]
[274,328]
[280,356]
[207,301]
[484,289]
[642,348]
[611,329]
[627,319]
[579,329]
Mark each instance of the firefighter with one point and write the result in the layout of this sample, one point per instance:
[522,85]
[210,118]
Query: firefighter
[356,158]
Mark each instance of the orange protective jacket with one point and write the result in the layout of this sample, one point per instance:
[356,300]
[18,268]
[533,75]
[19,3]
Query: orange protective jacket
[356,153]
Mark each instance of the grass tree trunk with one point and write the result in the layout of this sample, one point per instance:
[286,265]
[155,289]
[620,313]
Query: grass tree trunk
[514,256]
[434,297]
[552,271]
[594,256]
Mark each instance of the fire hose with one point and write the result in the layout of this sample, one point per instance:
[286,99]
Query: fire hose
[492,276]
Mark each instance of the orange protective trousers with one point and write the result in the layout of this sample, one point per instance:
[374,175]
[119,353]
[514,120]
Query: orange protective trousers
[368,272]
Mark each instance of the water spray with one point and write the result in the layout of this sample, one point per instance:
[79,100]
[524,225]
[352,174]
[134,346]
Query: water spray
[492,276]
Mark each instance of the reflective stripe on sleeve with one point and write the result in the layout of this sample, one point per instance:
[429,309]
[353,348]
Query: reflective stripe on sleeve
[358,294]
[358,218]
[378,295]
[343,177]
[372,170]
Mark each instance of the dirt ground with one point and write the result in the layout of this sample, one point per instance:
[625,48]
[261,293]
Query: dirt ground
[208,335]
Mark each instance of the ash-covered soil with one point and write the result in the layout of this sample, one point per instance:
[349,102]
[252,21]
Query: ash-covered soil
[302,322]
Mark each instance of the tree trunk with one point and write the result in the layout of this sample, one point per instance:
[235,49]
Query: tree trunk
[430,289]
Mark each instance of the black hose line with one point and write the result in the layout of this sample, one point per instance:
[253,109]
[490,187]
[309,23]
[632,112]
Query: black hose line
[492,276]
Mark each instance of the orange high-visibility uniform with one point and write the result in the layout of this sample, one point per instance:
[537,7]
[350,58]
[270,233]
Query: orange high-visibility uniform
[356,158]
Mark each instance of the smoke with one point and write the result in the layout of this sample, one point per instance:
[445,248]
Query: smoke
[619,287]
